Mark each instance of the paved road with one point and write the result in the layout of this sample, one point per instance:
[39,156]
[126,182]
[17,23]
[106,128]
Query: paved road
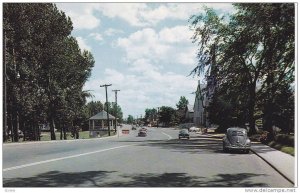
[158,160]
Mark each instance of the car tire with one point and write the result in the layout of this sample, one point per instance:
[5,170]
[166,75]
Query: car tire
[225,149]
[247,151]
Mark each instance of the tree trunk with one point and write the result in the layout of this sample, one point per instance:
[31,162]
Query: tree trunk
[251,107]
[9,125]
[15,126]
[65,133]
[21,123]
[51,124]
[24,131]
[61,132]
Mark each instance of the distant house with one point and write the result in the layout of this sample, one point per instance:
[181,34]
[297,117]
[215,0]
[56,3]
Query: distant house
[200,115]
[189,113]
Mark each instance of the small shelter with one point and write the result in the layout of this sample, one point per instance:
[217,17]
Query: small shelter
[98,123]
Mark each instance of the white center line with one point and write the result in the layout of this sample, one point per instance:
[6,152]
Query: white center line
[167,135]
[62,158]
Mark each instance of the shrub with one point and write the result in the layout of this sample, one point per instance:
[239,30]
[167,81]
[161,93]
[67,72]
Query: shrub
[288,140]
[265,137]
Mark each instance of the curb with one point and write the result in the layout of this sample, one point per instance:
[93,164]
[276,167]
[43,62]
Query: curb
[265,160]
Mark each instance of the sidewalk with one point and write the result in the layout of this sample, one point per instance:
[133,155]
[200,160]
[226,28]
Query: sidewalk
[282,162]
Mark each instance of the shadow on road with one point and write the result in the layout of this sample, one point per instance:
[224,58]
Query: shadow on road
[96,179]
[195,145]
[58,179]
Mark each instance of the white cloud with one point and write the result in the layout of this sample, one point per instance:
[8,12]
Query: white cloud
[171,45]
[96,36]
[82,44]
[130,12]
[177,34]
[150,14]
[142,65]
[112,31]
[143,44]
[81,14]
[136,14]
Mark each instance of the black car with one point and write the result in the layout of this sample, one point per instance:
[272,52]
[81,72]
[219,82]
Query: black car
[184,133]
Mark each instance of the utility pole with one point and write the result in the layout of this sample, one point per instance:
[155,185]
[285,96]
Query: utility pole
[5,91]
[157,116]
[106,85]
[116,103]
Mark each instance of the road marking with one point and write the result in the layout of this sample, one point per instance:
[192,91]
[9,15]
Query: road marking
[167,135]
[62,158]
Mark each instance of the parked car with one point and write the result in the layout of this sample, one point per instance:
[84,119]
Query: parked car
[184,133]
[236,139]
[142,133]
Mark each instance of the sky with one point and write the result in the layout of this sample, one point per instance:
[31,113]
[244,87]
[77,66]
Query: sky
[144,50]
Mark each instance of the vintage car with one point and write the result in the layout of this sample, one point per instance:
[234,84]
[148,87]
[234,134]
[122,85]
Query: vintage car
[142,133]
[144,129]
[184,133]
[236,139]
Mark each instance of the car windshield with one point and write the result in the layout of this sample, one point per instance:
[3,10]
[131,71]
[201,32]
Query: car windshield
[237,133]
[183,131]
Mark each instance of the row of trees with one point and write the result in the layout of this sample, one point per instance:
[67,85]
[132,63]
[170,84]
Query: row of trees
[164,115]
[44,71]
[254,53]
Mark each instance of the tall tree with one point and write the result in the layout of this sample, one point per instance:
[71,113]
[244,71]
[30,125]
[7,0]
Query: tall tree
[255,46]
[130,119]
[150,115]
[167,115]
[44,68]
[181,107]
[182,103]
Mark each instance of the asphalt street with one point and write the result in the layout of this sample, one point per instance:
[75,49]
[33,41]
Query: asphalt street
[158,160]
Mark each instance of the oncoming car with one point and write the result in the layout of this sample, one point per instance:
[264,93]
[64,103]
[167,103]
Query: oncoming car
[142,133]
[236,139]
[184,133]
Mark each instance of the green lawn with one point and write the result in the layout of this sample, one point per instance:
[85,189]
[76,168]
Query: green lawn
[284,148]
[45,136]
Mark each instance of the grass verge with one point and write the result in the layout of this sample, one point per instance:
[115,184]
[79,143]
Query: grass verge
[286,149]
[46,136]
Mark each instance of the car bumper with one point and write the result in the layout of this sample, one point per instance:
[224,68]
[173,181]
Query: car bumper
[235,147]
[184,136]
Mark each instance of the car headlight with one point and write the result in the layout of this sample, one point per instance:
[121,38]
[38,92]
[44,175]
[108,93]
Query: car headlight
[248,142]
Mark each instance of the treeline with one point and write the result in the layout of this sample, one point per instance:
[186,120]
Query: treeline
[251,60]
[165,115]
[44,71]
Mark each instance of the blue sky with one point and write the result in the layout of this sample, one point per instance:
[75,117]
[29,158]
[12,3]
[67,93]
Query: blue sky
[143,49]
